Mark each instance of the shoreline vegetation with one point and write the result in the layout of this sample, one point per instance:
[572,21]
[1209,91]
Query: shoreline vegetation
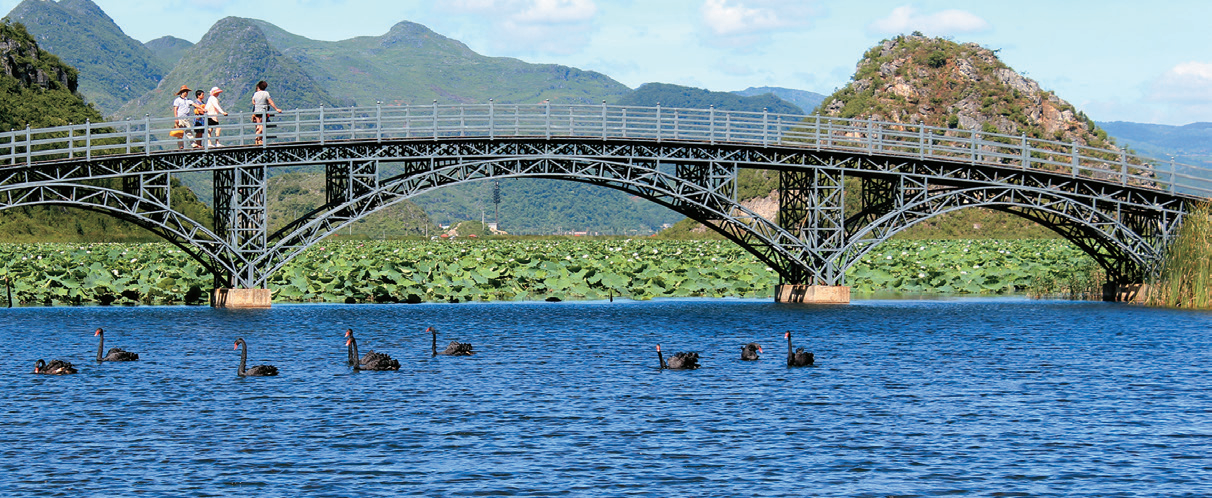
[532,269]
[1185,280]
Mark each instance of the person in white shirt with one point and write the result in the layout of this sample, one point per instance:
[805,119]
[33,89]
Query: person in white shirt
[183,110]
[261,103]
[213,110]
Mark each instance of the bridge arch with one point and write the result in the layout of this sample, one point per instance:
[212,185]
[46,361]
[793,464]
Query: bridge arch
[1115,246]
[147,213]
[766,240]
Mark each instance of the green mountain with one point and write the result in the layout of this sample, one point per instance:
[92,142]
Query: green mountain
[651,94]
[37,89]
[538,206]
[803,99]
[411,64]
[234,55]
[169,49]
[114,68]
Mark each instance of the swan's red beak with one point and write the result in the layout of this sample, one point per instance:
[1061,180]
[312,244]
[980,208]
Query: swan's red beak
[658,348]
[237,346]
[348,332]
[760,349]
[35,369]
[348,342]
[97,333]
[787,335]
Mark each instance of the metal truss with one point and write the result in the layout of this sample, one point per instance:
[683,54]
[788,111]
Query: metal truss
[1124,226]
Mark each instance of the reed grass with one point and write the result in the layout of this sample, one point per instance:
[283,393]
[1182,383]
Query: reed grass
[1185,280]
[1083,283]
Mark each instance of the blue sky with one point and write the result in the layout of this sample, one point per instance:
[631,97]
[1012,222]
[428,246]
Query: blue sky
[1116,60]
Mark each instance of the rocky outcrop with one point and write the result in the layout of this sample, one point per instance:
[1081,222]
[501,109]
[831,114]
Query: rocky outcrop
[936,82]
[22,59]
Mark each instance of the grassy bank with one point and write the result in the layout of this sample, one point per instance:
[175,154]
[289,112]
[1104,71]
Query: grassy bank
[1186,276]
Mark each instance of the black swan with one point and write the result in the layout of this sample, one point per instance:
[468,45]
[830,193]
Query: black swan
[55,367]
[114,354]
[372,360]
[797,358]
[257,371]
[679,361]
[452,349]
[749,352]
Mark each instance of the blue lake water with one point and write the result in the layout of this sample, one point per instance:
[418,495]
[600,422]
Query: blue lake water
[987,397]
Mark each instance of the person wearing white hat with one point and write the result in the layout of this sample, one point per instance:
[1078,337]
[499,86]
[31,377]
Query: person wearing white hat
[213,110]
[183,108]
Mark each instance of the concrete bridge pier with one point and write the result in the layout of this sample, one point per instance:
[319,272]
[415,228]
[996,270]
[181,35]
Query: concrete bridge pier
[240,298]
[814,294]
[1125,293]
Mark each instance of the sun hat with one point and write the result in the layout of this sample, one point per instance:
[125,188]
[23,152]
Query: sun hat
[214,90]
[183,89]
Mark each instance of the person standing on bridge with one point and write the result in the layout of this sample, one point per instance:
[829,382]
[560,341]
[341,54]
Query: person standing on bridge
[261,103]
[199,119]
[213,110]
[183,108]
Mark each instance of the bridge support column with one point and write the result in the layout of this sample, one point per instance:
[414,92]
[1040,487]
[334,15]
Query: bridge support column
[816,294]
[1126,293]
[240,298]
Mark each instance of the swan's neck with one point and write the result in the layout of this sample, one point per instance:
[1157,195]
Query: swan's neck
[434,347]
[790,354]
[243,358]
[353,352]
[100,346]
[660,359]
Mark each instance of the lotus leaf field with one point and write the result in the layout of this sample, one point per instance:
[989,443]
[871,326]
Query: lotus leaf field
[489,270]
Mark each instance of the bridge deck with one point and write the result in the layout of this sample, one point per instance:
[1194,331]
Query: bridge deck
[94,141]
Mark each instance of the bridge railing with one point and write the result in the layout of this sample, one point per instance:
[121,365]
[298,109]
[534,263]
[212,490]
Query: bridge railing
[322,125]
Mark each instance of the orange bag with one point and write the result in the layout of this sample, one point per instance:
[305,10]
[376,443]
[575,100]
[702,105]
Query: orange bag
[177,133]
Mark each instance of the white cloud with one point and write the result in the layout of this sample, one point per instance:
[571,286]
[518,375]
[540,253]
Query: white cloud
[557,11]
[907,19]
[534,26]
[1185,82]
[755,17]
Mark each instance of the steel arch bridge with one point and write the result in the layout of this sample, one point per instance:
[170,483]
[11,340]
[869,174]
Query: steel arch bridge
[1121,209]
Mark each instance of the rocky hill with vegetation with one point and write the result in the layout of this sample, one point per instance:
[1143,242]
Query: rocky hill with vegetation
[936,82]
[39,90]
[114,68]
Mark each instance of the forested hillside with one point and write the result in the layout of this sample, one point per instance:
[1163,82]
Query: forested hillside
[38,90]
[537,206]
[169,49]
[292,195]
[233,56]
[651,94]
[808,101]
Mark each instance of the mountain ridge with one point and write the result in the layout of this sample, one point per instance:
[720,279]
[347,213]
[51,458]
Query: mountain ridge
[114,68]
